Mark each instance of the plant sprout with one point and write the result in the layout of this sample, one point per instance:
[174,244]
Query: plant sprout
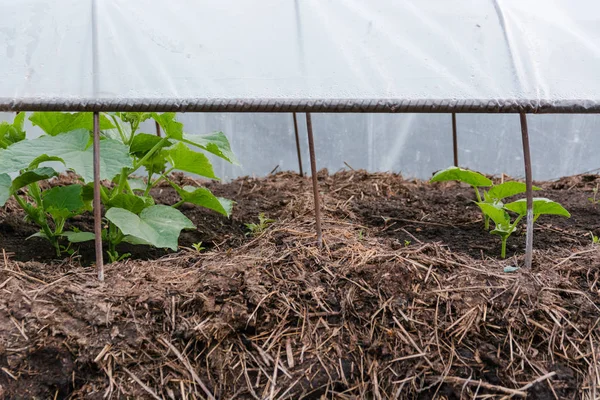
[503,225]
[259,228]
[493,196]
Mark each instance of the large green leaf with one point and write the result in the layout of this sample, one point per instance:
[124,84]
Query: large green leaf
[215,143]
[5,192]
[78,237]
[507,189]
[74,148]
[12,133]
[158,226]
[541,206]
[63,201]
[144,142]
[463,175]
[203,197]
[130,202]
[184,159]
[35,175]
[496,214]
[170,126]
[54,123]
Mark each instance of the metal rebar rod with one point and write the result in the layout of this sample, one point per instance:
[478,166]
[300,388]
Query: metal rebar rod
[298,144]
[157,129]
[529,192]
[313,170]
[97,204]
[454,140]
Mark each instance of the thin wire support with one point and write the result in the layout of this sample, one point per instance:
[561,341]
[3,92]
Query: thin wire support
[298,144]
[529,191]
[157,129]
[454,140]
[313,170]
[97,205]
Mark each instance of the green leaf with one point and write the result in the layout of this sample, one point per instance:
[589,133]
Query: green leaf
[507,189]
[136,184]
[463,175]
[215,143]
[144,142]
[158,226]
[63,201]
[72,147]
[172,128]
[12,133]
[496,214]
[78,237]
[541,206]
[42,159]
[54,123]
[203,197]
[184,159]
[27,177]
[131,202]
[5,192]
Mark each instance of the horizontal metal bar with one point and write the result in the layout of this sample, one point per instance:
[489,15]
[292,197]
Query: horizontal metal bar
[275,105]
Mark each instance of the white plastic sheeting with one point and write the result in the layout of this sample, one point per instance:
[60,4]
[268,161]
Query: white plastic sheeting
[237,54]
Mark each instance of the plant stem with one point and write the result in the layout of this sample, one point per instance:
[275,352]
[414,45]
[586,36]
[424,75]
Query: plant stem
[486,219]
[149,154]
[123,139]
[503,252]
[163,176]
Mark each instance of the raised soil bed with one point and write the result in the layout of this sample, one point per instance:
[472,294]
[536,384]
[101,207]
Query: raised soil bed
[407,299]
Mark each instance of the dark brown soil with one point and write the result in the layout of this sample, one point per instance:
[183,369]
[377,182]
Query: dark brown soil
[386,205]
[407,299]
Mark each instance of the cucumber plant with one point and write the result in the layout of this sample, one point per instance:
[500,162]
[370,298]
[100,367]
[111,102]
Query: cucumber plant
[502,220]
[131,214]
[492,196]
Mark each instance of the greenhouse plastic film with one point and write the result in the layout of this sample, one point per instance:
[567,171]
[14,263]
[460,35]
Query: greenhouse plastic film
[304,55]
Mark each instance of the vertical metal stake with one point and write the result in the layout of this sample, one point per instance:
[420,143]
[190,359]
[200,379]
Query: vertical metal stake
[454,140]
[97,205]
[298,144]
[313,170]
[529,192]
[157,129]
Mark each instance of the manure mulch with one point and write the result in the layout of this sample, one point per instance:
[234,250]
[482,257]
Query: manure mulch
[382,311]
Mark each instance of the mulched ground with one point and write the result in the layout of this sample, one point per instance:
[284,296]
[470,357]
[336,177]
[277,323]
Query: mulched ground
[407,299]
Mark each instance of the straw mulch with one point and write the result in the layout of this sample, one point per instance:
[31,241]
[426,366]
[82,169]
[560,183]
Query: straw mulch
[280,318]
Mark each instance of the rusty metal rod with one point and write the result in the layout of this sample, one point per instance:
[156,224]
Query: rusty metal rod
[313,170]
[97,204]
[298,144]
[454,140]
[157,129]
[529,191]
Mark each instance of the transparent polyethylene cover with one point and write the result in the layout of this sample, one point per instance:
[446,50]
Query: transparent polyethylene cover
[123,52]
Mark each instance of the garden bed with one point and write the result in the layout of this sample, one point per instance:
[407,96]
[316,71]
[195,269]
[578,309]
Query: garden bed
[407,298]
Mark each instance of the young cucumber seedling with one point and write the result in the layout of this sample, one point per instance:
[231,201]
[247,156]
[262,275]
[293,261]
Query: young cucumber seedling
[503,225]
[492,196]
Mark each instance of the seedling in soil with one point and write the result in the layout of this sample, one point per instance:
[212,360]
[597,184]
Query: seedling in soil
[503,225]
[595,239]
[198,247]
[594,199]
[263,223]
[493,196]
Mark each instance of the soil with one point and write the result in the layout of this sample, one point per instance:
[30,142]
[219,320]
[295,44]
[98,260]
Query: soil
[407,299]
